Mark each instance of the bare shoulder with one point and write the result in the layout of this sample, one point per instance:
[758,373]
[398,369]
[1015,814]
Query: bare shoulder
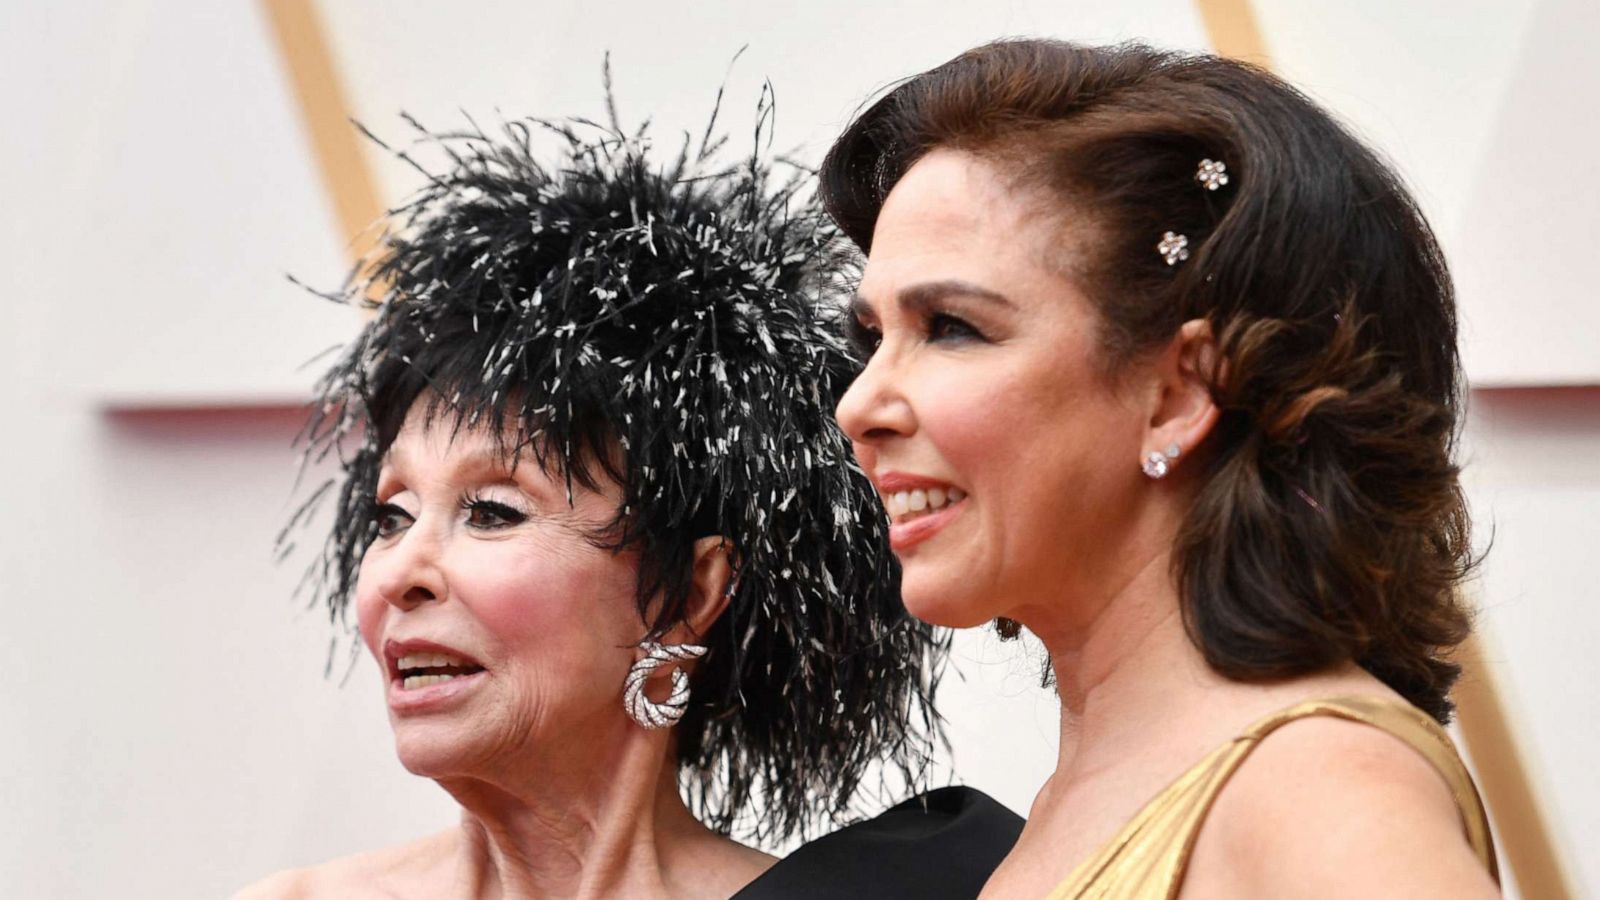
[396,871]
[286,885]
[1329,807]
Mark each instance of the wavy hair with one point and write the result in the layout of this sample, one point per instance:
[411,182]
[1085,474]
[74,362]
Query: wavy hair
[1331,525]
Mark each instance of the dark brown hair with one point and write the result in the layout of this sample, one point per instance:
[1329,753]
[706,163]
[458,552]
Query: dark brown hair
[1330,525]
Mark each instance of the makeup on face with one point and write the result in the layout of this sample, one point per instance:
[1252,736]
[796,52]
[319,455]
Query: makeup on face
[982,415]
[495,617]
[917,507]
[425,676]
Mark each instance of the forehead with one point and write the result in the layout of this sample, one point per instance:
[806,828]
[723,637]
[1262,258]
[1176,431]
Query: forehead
[432,439]
[947,194]
[433,433]
[434,443]
[952,216]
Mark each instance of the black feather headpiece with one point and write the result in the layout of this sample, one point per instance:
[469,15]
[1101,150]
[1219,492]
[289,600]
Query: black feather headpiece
[685,314]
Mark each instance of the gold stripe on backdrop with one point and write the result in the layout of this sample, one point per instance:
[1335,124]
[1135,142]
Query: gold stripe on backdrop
[335,143]
[1231,26]
[1503,778]
[1520,826]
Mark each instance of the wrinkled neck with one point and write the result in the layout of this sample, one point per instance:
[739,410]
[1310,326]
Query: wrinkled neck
[607,826]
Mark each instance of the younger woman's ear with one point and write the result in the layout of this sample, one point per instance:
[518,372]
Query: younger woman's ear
[710,586]
[1184,411]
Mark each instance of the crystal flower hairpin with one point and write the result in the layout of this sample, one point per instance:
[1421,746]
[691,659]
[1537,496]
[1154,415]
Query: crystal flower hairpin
[1213,174]
[1174,248]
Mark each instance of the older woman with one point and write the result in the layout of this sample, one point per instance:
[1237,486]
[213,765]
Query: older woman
[1164,368]
[604,541]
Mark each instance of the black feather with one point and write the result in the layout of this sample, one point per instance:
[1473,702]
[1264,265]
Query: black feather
[689,314]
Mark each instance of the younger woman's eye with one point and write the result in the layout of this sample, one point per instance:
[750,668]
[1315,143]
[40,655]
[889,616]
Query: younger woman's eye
[945,327]
[390,519]
[863,338]
[489,515]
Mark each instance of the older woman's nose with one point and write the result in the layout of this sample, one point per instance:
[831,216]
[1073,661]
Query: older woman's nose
[875,408]
[410,573]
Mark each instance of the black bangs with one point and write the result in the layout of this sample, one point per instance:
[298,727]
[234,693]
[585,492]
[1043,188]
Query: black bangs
[679,324]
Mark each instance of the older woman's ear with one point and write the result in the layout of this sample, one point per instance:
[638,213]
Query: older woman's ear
[709,588]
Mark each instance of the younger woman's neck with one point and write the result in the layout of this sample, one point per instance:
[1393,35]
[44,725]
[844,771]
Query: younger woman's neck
[1122,671]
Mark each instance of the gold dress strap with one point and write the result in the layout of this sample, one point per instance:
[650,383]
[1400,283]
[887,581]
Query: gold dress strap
[1146,860]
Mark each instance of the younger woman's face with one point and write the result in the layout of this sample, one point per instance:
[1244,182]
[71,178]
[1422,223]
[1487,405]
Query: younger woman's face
[1008,463]
[502,632]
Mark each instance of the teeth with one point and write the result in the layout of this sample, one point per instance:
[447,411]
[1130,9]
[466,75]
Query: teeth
[414,682]
[427,661]
[903,503]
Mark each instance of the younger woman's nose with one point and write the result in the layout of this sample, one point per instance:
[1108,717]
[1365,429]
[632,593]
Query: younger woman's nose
[874,409]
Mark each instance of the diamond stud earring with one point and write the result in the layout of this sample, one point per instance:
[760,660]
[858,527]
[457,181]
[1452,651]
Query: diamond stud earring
[1156,465]
[1159,462]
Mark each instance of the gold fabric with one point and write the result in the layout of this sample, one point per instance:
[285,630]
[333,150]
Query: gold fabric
[1147,858]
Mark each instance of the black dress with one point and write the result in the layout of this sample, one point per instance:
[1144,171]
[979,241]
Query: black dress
[942,844]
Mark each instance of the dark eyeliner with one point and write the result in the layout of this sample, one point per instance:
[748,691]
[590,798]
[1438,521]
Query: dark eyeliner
[381,512]
[945,327]
[507,514]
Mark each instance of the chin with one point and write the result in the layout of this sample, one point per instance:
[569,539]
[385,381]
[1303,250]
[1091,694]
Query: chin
[433,755]
[934,603]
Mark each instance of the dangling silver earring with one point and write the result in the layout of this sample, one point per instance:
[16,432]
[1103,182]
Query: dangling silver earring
[1159,463]
[642,709]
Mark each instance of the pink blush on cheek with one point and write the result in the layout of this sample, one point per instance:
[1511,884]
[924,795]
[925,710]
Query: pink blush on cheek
[964,426]
[550,600]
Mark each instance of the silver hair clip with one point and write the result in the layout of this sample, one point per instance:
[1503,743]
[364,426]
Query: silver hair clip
[1173,247]
[1213,174]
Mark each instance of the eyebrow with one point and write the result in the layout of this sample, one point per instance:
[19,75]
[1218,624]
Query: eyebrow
[921,297]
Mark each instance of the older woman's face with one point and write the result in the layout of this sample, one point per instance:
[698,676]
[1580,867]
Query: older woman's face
[985,396]
[487,571]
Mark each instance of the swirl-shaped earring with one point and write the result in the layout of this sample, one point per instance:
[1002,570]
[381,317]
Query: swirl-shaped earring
[648,713]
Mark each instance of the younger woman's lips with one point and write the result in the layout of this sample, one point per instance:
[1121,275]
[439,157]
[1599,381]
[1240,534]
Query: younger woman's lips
[905,535]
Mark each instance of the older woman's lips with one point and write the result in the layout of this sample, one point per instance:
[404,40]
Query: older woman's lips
[424,676]
[432,697]
[420,670]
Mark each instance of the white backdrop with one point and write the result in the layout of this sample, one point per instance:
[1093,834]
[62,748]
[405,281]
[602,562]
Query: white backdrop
[170,732]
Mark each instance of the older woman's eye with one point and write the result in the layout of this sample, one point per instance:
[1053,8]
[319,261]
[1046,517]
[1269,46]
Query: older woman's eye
[390,519]
[489,515]
[863,338]
[945,327]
